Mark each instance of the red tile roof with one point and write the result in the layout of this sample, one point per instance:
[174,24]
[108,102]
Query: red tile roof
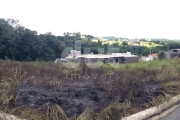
[154,55]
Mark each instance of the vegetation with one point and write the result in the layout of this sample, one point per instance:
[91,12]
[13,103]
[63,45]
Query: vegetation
[127,89]
[161,55]
[142,50]
[22,44]
[44,90]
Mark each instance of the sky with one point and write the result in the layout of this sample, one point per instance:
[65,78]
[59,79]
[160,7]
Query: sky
[120,18]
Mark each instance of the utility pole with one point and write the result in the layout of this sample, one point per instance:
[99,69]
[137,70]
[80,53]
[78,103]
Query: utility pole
[150,55]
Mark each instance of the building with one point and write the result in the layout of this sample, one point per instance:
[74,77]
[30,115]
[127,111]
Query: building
[136,44]
[150,57]
[153,56]
[174,53]
[92,58]
[105,40]
[62,60]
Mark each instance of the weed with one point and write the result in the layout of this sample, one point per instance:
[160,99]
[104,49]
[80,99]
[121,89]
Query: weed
[88,114]
[10,87]
[113,112]
[172,87]
[53,112]
[158,100]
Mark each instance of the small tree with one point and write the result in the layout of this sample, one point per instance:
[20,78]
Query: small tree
[124,43]
[161,55]
[116,40]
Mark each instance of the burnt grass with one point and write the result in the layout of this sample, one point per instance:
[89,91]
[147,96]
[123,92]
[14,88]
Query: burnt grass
[52,83]
[76,99]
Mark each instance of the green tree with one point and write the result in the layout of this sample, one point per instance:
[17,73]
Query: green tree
[161,55]
[124,43]
[116,40]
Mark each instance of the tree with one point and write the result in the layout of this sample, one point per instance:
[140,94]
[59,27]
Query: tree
[161,55]
[22,44]
[7,37]
[116,40]
[124,43]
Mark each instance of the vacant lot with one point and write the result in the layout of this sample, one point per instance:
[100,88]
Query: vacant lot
[44,90]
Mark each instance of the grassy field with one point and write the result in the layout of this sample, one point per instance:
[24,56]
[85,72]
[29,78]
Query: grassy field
[149,44]
[109,42]
[48,91]
[146,44]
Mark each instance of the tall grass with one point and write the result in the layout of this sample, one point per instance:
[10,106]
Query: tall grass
[10,86]
[113,112]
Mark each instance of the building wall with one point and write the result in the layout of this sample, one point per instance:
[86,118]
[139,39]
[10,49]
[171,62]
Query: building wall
[115,59]
[132,59]
[119,59]
[93,60]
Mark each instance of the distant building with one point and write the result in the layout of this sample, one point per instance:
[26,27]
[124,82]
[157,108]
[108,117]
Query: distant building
[174,53]
[104,40]
[83,36]
[136,44]
[62,60]
[114,57]
[150,57]
[73,54]
[125,40]
[153,56]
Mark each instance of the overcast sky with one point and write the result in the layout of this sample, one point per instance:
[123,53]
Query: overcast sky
[121,18]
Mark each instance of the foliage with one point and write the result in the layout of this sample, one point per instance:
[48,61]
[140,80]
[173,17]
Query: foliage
[22,44]
[124,43]
[161,55]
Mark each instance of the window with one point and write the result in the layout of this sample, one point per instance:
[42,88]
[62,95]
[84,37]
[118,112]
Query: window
[117,60]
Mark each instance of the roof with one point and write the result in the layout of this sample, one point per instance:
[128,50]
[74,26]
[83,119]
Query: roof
[154,55]
[104,56]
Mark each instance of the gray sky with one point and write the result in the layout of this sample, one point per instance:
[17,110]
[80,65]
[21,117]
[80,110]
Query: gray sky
[125,18]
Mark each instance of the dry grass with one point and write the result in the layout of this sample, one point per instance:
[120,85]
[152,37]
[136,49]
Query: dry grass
[113,112]
[129,85]
[10,86]
[53,112]
[88,114]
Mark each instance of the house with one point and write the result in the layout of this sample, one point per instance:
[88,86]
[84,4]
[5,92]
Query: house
[62,60]
[144,58]
[83,36]
[174,53]
[114,57]
[136,44]
[153,56]
[150,57]
[104,40]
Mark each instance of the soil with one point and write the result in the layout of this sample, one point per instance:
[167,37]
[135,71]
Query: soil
[74,98]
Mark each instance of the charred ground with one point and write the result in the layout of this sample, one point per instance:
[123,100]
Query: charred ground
[125,90]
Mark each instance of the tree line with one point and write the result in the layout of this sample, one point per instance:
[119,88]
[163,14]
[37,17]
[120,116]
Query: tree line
[22,44]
